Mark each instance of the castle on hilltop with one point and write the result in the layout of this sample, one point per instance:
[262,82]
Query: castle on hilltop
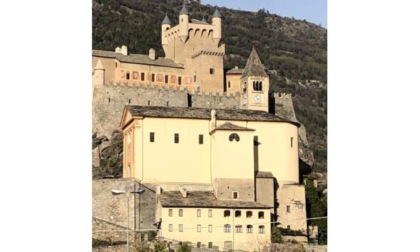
[219,153]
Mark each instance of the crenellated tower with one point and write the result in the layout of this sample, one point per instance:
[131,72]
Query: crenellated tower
[254,84]
[196,45]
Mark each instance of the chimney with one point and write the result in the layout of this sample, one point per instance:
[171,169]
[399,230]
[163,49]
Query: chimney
[152,54]
[213,120]
[184,192]
[124,50]
[236,67]
[158,190]
[118,49]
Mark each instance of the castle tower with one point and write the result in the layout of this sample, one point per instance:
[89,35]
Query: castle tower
[254,84]
[98,74]
[217,23]
[166,25]
[183,24]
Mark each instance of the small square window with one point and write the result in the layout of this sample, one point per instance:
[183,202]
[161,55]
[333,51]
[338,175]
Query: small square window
[200,139]
[176,138]
[288,209]
[211,70]
[199,228]
[152,137]
[260,215]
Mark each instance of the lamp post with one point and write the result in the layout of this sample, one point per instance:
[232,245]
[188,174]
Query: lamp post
[117,192]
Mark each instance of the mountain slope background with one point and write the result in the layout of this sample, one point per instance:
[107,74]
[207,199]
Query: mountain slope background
[293,51]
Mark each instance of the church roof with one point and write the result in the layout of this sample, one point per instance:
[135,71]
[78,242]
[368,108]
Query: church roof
[204,113]
[184,10]
[204,199]
[136,59]
[254,67]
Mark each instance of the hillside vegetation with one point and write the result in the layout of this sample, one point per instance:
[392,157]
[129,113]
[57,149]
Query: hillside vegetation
[293,51]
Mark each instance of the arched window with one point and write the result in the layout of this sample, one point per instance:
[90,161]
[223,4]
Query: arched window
[261,229]
[237,213]
[249,214]
[234,136]
[238,228]
[261,215]
[227,228]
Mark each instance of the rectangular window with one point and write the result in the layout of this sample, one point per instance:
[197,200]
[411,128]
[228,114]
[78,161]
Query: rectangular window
[210,245]
[181,228]
[135,75]
[288,209]
[210,228]
[179,80]
[152,137]
[211,71]
[170,227]
[288,227]
[198,228]
[127,76]
[210,213]
[170,212]
[180,212]
[235,195]
[238,228]
[200,139]
[261,229]
[291,142]
[176,138]
[153,77]
[142,76]
[166,78]
[198,212]
[260,215]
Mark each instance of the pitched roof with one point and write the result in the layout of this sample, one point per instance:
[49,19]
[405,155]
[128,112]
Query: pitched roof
[184,10]
[254,67]
[235,71]
[166,20]
[204,113]
[136,59]
[262,174]
[217,13]
[204,199]
[231,126]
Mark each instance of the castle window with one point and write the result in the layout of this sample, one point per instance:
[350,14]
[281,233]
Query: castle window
[210,213]
[198,212]
[198,228]
[226,213]
[198,244]
[180,213]
[195,78]
[228,84]
[127,76]
[176,138]
[200,139]
[129,101]
[234,136]
[291,142]
[227,228]
[261,229]
[211,70]
[166,78]
[179,80]
[261,215]
[148,102]
[142,76]
[170,227]
[181,228]
[170,213]
[235,195]
[152,137]
[238,228]
[237,213]
[249,229]
[248,214]
[210,229]
[288,227]
[210,245]
[153,77]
